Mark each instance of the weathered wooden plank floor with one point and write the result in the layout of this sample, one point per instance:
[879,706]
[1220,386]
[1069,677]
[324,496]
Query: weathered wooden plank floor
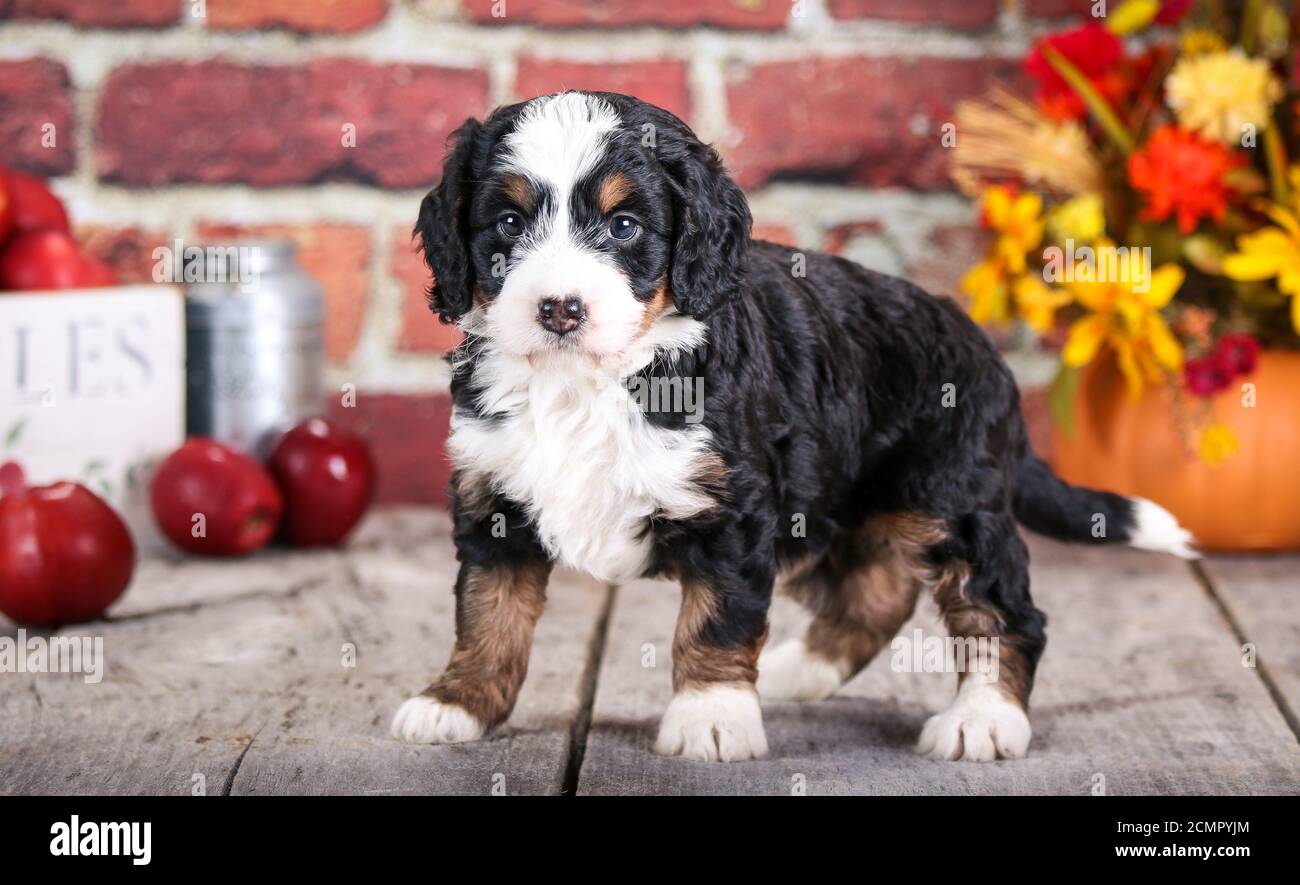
[237,677]
[234,673]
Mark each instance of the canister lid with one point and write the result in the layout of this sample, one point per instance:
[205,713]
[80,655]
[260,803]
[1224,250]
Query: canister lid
[250,281]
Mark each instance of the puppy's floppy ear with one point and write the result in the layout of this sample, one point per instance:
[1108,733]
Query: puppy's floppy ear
[443,229]
[712,227]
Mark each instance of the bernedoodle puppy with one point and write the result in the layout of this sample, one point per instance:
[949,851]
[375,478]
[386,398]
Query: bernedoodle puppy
[830,425]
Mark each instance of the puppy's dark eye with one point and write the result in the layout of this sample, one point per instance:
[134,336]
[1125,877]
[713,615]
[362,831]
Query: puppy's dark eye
[623,227]
[511,225]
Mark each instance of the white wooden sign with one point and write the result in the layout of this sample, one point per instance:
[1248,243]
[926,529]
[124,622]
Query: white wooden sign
[92,388]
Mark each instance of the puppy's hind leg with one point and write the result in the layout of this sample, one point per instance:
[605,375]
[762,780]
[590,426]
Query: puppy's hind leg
[860,594]
[984,598]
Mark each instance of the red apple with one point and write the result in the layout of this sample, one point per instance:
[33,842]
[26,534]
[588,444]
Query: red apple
[328,479]
[212,499]
[6,206]
[65,555]
[34,206]
[50,259]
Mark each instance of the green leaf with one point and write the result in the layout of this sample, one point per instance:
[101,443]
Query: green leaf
[1249,28]
[1273,30]
[1205,253]
[1245,181]
[1275,155]
[1060,398]
[1096,105]
[1259,294]
[15,431]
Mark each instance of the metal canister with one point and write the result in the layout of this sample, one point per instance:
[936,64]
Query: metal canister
[255,340]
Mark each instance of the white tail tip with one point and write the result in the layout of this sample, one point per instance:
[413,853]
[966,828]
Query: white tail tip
[1154,528]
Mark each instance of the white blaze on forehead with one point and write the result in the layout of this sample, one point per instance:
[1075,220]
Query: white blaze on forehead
[559,139]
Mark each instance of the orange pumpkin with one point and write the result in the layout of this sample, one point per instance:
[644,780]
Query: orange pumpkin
[1249,502]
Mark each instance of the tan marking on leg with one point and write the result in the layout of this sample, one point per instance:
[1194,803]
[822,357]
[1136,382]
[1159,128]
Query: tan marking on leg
[495,614]
[613,190]
[794,572]
[474,493]
[697,664]
[875,602]
[861,593]
[966,618]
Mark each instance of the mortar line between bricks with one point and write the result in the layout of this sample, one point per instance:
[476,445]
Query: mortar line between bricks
[587,695]
[1261,670]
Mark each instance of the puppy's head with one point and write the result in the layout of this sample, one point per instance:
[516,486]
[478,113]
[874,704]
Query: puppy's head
[572,222]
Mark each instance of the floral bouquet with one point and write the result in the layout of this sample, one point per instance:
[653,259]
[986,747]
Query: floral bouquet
[1143,205]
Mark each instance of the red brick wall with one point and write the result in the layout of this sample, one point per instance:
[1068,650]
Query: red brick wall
[174,125]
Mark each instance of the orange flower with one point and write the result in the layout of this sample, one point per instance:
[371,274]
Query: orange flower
[1182,175]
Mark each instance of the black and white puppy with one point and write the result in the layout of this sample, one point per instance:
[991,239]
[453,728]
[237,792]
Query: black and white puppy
[857,436]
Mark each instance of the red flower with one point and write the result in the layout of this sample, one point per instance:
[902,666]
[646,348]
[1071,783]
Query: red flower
[1098,55]
[1182,175]
[1206,376]
[1173,11]
[1239,353]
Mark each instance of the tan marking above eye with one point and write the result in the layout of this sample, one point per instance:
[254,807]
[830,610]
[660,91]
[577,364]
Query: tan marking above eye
[614,189]
[516,188]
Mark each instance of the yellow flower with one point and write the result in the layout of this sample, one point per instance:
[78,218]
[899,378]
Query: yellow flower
[1271,252]
[988,286]
[1218,444]
[1124,298]
[1038,302]
[1079,218]
[1201,41]
[1219,94]
[1017,221]
[1132,15]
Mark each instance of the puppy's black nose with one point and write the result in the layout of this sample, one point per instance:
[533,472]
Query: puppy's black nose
[561,316]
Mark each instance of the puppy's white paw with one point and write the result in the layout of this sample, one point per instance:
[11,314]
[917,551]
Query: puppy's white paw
[981,725]
[722,723]
[423,720]
[790,672]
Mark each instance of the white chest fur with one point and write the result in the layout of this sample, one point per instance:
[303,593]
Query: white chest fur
[568,443]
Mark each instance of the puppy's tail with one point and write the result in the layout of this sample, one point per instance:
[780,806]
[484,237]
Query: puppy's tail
[1048,505]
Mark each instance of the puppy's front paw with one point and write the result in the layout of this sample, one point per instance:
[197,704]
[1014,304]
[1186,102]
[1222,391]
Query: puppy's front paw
[424,720]
[981,725]
[722,723]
